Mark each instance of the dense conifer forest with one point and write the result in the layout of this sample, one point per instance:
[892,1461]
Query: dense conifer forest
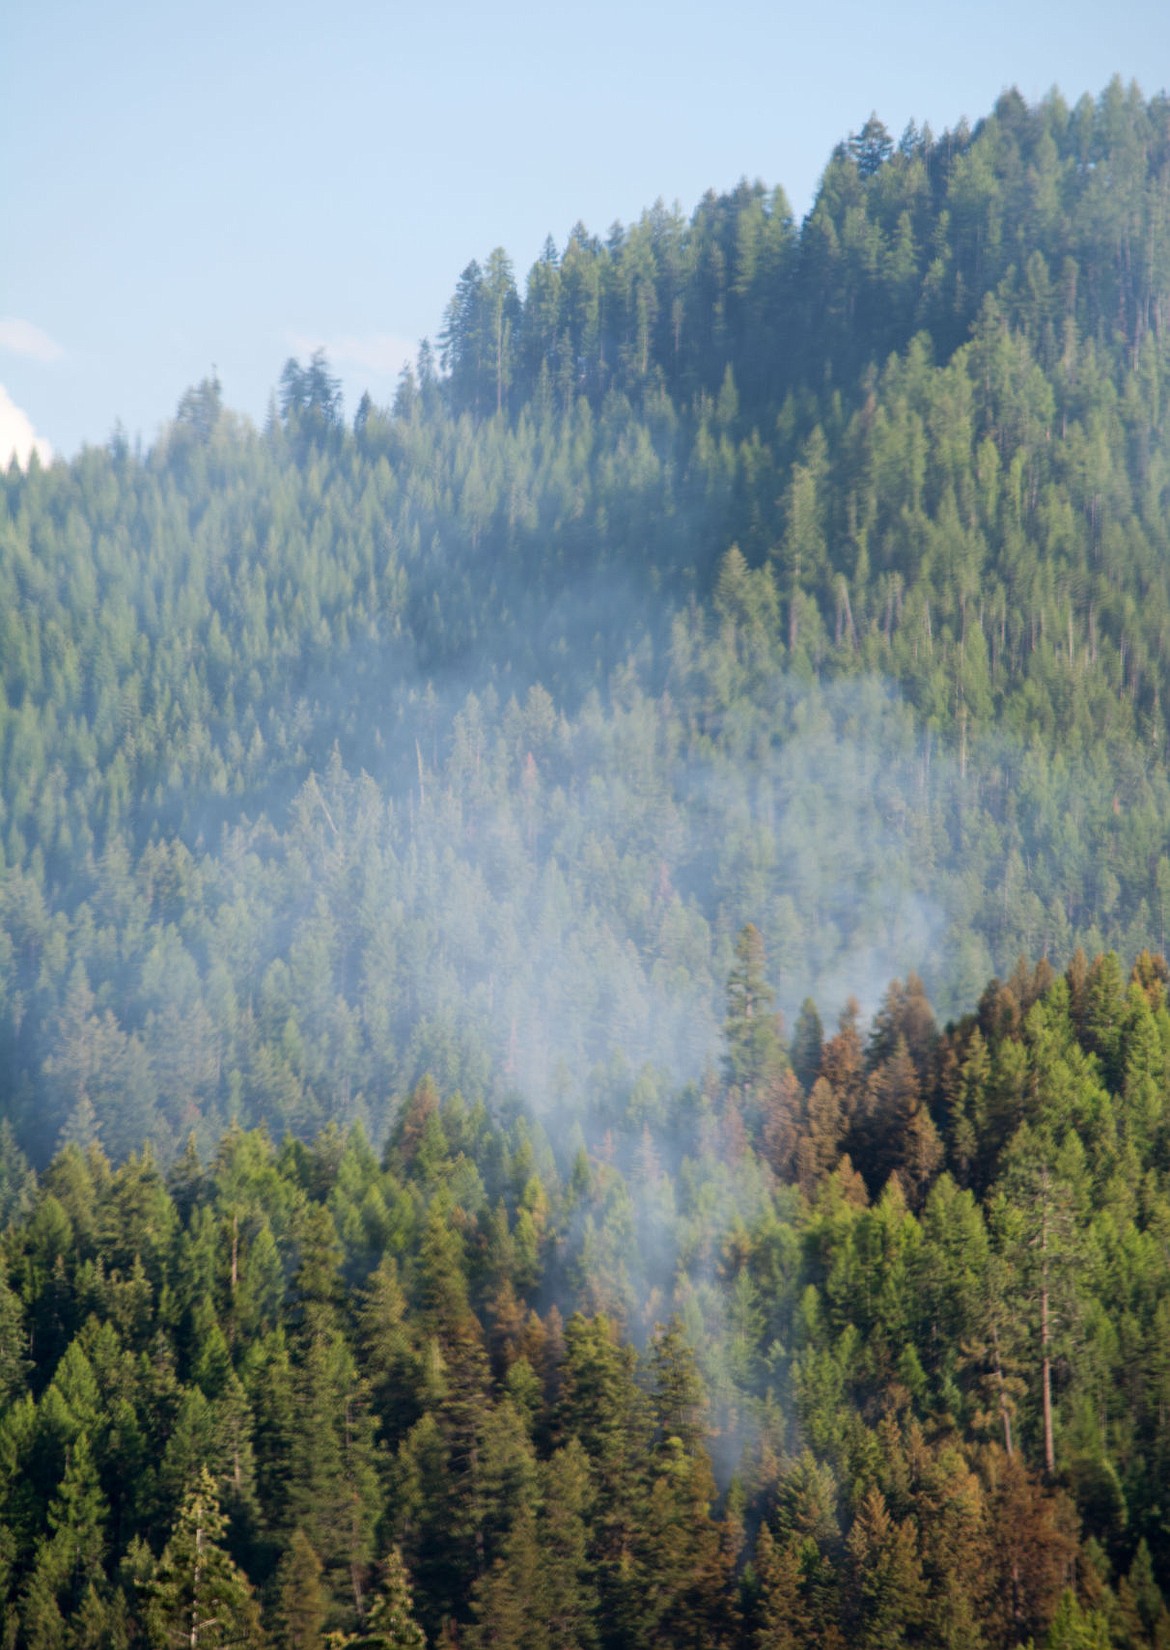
[865,1341]
[466,1177]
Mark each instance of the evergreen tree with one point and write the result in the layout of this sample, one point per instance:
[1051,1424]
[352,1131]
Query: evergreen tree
[807,1043]
[751,1029]
[390,1624]
[197,1595]
[301,1605]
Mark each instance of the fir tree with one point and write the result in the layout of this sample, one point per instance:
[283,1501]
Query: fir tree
[198,1597]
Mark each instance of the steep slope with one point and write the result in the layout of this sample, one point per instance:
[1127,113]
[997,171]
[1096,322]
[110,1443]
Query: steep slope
[812,576]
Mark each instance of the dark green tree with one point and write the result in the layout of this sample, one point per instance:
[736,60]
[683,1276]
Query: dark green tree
[754,1049]
[197,1596]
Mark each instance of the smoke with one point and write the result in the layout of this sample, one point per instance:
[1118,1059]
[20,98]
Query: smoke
[565,894]
[18,439]
[389,851]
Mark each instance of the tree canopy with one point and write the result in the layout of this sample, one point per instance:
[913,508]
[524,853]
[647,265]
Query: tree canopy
[447,1193]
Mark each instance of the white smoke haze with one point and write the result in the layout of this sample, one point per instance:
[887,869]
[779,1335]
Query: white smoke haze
[537,891]
[539,895]
[569,906]
[18,439]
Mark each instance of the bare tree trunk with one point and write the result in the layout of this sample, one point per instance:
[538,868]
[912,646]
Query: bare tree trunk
[195,1581]
[1045,1357]
[1004,1411]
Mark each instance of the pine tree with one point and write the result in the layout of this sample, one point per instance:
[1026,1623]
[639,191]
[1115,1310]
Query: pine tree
[887,1596]
[677,1593]
[77,1519]
[898,1132]
[808,1039]
[14,1363]
[780,1133]
[507,1600]
[301,1599]
[677,1397]
[568,1585]
[388,1359]
[819,1147]
[605,1412]
[1104,1015]
[1040,1241]
[779,1612]
[842,1062]
[751,1029]
[1033,1539]
[331,1475]
[198,1599]
[390,1624]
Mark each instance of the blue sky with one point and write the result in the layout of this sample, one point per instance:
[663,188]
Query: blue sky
[232,183]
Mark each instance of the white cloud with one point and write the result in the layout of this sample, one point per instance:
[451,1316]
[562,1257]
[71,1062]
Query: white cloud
[17,436]
[23,338]
[381,353]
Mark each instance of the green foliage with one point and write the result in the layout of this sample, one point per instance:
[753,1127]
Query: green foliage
[732,573]
[734,580]
[301,1598]
[197,1595]
[937,1401]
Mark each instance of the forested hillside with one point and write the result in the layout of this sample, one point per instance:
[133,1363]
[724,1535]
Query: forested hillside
[864,1343]
[816,577]
[416,1220]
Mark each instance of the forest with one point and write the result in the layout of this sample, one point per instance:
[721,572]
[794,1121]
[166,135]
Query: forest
[433,844]
[863,1341]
